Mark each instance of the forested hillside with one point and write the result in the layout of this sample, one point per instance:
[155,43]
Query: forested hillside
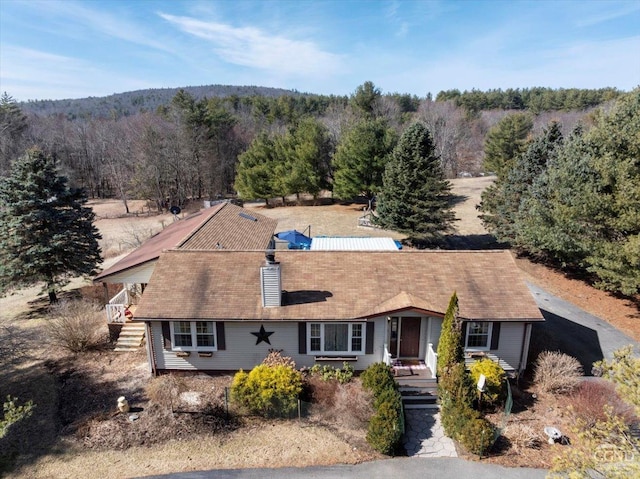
[567,187]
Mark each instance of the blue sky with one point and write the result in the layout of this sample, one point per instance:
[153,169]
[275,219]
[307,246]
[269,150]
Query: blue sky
[71,49]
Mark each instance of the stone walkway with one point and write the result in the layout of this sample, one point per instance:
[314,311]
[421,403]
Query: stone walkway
[424,436]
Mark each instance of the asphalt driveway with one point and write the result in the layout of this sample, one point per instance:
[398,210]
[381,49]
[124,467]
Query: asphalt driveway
[422,468]
[575,332]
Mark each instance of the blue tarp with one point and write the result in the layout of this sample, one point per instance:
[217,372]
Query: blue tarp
[296,239]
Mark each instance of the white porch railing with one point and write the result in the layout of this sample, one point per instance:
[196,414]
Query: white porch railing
[386,357]
[117,306]
[432,360]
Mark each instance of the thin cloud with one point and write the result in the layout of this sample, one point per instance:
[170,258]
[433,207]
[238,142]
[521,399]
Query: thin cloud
[106,23]
[608,15]
[67,77]
[254,48]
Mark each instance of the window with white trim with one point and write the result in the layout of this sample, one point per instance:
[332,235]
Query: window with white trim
[336,338]
[193,336]
[478,334]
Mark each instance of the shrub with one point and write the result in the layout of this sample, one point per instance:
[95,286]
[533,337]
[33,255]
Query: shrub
[164,390]
[268,391]
[455,417]
[12,413]
[385,428]
[378,377]
[477,437]
[450,347]
[328,373]
[523,436]
[556,372]
[591,399]
[76,326]
[456,386]
[275,358]
[494,391]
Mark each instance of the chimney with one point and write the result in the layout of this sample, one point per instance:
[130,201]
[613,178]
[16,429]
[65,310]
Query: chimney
[270,281]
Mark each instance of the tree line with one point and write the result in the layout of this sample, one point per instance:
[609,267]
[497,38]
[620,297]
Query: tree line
[201,148]
[571,199]
[534,99]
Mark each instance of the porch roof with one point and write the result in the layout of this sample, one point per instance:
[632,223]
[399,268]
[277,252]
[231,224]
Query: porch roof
[221,226]
[337,285]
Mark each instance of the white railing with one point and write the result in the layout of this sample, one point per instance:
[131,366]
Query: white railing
[386,357]
[116,307]
[432,359]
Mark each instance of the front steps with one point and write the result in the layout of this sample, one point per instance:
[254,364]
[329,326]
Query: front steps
[131,337]
[419,393]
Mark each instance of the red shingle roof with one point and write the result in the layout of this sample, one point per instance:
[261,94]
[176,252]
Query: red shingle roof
[341,285]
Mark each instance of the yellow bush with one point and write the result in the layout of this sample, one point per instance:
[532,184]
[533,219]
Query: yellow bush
[495,376]
[268,390]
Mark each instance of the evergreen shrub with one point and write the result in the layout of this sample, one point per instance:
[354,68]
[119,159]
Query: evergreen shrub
[385,426]
[270,391]
[495,391]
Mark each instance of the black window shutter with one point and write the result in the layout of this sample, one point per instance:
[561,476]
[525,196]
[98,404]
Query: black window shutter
[495,335]
[222,345]
[370,333]
[463,327]
[166,334]
[302,338]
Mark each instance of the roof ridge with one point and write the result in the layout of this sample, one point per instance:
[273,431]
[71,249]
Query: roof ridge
[206,219]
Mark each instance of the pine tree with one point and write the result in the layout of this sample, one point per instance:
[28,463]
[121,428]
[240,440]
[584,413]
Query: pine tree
[360,159]
[501,202]
[505,141]
[47,233]
[416,198]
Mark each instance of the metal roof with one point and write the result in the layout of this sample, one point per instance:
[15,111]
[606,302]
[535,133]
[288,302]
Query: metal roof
[342,243]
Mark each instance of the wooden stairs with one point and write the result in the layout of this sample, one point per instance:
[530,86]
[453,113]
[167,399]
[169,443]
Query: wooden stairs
[418,388]
[131,336]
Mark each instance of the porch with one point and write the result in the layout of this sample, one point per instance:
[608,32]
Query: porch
[416,379]
[121,307]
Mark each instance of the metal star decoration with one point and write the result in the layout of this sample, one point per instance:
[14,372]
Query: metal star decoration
[263,335]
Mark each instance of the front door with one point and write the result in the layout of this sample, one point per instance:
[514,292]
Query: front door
[409,337]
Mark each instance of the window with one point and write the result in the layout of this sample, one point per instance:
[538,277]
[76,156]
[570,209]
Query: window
[478,334]
[193,335]
[336,338]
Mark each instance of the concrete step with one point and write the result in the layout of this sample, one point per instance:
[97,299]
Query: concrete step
[131,337]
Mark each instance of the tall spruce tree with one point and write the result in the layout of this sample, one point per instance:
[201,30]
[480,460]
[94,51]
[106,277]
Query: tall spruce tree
[416,198]
[47,233]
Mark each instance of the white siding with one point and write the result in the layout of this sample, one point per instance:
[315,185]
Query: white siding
[139,275]
[510,345]
[434,334]
[242,352]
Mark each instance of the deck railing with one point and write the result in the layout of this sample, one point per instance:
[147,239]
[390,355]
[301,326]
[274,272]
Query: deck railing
[432,359]
[116,307]
[386,357]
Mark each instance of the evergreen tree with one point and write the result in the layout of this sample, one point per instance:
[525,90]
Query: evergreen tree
[360,159]
[365,98]
[450,349]
[46,231]
[501,202]
[416,198]
[303,155]
[256,170]
[13,124]
[505,141]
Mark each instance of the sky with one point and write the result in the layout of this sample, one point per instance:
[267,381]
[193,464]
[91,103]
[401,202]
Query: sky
[53,49]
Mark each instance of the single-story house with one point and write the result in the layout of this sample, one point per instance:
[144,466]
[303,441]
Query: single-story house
[222,226]
[222,310]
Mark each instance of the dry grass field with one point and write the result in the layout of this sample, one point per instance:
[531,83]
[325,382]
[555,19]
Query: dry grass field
[52,441]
